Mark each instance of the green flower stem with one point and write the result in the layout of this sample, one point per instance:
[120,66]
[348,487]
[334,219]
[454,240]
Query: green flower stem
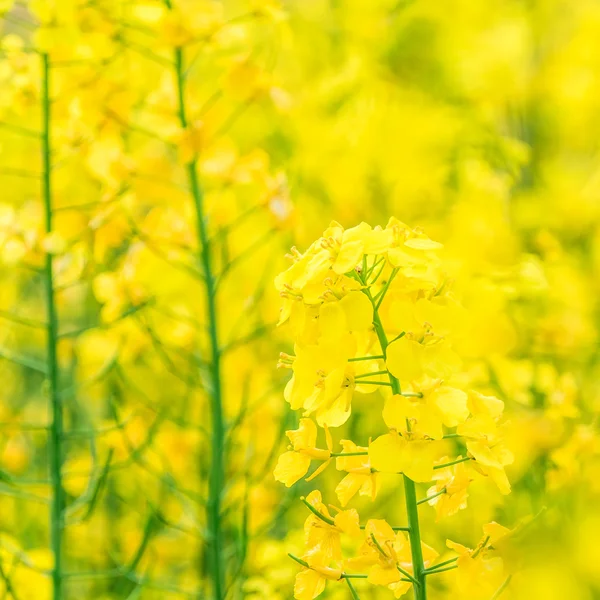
[342,454]
[358,358]
[443,564]
[55,451]
[393,528]
[343,576]
[454,462]
[386,555]
[436,571]
[501,589]
[217,467]
[423,500]
[370,374]
[316,512]
[299,560]
[398,337]
[481,547]
[410,494]
[353,592]
[381,295]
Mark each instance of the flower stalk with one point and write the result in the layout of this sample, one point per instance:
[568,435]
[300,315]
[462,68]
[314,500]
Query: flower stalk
[410,494]
[55,450]
[217,467]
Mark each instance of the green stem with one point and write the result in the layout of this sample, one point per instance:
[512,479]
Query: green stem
[414,535]
[217,468]
[339,454]
[428,498]
[55,452]
[299,560]
[372,374]
[410,494]
[316,512]
[352,590]
[454,462]
[442,564]
[501,589]
[436,571]
[358,358]
[481,547]
[393,528]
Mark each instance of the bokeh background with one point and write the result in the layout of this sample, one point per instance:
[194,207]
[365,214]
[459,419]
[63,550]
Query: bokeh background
[477,121]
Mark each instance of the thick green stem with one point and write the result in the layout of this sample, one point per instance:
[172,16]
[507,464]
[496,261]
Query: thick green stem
[55,434]
[217,468]
[410,494]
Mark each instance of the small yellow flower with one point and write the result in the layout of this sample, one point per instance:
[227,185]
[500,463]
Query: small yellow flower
[324,531]
[393,453]
[450,489]
[294,464]
[360,477]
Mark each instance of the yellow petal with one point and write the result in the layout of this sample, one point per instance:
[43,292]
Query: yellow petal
[380,575]
[386,453]
[458,548]
[405,359]
[495,532]
[429,554]
[332,321]
[348,522]
[419,458]
[452,403]
[440,361]
[358,310]
[349,256]
[422,243]
[400,588]
[485,405]
[337,406]
[291,467]
[348,487]
[381,530]
[309,584]
[305,436]
[396,410]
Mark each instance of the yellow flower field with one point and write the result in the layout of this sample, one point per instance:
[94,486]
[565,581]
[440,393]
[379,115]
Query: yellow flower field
[299,299]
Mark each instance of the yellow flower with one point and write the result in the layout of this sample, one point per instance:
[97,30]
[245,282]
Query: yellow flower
[310,582]
[360,477]
[325,531]
[450,489]
[409,360]
[484,439]
[294,464]
[386,554]
[440,405]
[324,380]
[392,453]
[480,572]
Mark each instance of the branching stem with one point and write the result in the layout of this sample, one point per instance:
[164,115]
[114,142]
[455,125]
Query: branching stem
[410,494]
[55,437]
[217,468]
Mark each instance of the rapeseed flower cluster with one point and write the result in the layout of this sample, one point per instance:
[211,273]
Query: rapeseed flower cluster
[372,309]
